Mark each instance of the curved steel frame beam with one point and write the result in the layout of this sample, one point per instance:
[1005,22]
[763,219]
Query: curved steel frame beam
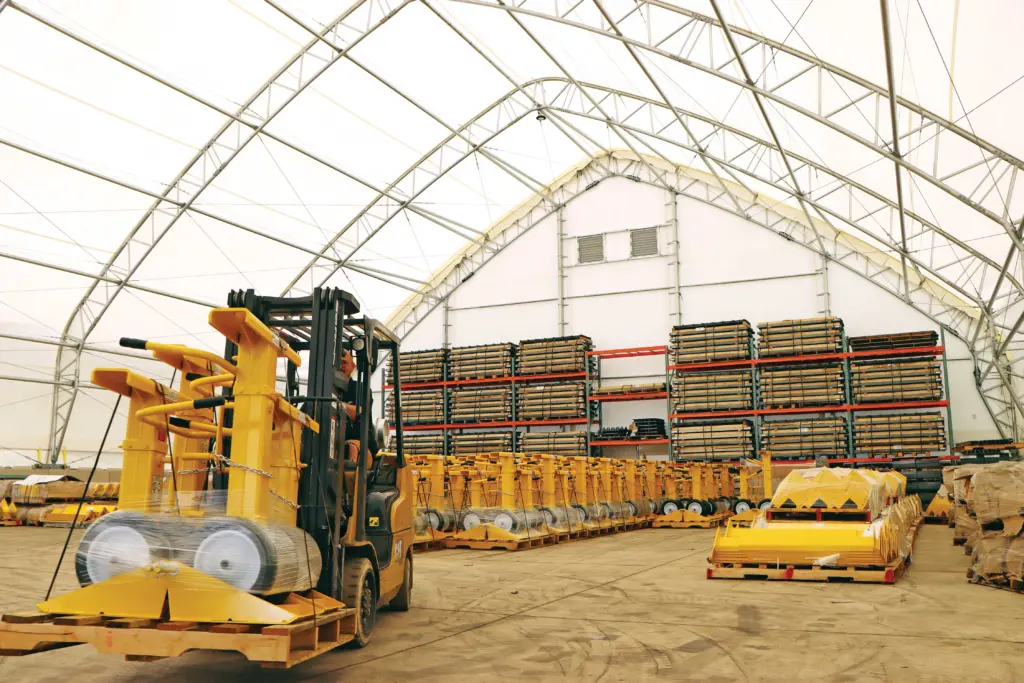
[341,35]
[247,122]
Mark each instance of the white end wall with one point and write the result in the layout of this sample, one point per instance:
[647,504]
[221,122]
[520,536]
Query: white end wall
[728,269]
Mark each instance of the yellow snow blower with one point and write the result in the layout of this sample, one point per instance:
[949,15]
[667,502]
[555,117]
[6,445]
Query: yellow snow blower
[271,525]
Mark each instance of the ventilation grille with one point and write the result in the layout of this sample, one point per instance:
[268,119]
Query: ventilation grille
[643,242]
[591,248]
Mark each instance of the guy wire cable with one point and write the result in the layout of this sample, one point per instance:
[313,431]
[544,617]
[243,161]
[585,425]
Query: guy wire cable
[81,501]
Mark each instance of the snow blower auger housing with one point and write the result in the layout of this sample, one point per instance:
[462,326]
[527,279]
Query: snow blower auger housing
[252,519]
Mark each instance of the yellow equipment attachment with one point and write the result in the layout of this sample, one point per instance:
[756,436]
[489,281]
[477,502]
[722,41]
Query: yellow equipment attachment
[939,507]
[868,532]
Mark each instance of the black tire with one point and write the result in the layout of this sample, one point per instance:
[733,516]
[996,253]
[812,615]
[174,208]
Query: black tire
[583,512]
[697,507]
[402,601]
[764,504]
[669,506]
[742,505]
[709,507]
[727,503]
[359,590]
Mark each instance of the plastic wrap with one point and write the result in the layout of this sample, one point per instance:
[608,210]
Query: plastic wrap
[997,492]
[257,556]
[965,525]
[839,488]
[998,559]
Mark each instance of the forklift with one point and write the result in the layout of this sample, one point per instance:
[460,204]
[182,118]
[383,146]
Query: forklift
[275,524]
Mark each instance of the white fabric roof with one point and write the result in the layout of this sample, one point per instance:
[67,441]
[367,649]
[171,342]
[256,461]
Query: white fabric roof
[155,155]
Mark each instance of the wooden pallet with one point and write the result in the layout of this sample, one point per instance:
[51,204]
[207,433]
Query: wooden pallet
[427,546]
[526,543]
[765,572]
[146,640]
[10,522]
[709,522]
[936,519]
[1006,583]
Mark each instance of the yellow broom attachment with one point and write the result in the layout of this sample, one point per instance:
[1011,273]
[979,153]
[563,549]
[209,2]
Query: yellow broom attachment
[939,507]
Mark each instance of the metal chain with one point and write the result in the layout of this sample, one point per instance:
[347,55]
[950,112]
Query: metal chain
[294,506]
[245,468]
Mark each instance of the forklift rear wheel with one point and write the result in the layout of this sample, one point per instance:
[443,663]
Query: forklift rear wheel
[401,602]
[359,591]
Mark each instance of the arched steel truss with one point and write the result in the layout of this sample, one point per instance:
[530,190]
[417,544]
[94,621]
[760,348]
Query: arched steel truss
[648,129]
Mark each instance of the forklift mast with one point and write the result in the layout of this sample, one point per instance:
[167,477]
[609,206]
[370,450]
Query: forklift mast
[325,324]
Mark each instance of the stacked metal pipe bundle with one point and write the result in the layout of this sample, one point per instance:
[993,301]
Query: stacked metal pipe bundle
[488,360]
[716,441]
[553,355]
[906,379]
[418,407]
[899,433]
[815,385]
[483,404]
[904,340]
[803,439]
[708,391]
[417,443]
[551,401]
[705,342]
[648,428]
[474,443]
[800,337]
[420,366]
[554,443]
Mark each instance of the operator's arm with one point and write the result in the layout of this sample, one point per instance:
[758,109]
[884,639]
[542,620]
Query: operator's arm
[350,410]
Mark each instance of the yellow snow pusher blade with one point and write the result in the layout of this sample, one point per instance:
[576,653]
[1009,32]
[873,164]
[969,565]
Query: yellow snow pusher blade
[823,519]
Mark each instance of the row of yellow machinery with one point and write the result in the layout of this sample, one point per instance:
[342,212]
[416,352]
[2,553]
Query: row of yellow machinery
[511,500]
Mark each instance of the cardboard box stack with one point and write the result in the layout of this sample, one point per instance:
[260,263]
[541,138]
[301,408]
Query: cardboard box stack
[995,501]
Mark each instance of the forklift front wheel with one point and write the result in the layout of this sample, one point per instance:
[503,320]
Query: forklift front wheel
[401,602]
[359,591]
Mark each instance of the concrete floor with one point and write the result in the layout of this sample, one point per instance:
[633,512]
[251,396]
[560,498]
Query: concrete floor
[632,607]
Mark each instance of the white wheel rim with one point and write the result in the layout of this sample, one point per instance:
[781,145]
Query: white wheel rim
[742,507]
[765,505]
[434,521]
[232,556]
[115,550]
[505,521]
[471,521]
[669,508]
[695,507]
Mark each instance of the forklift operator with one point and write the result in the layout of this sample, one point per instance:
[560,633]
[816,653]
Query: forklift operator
[346,389]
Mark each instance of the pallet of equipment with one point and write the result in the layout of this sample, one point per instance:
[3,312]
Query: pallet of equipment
[892,381]
[922,432]
[886,342]
[714,440]
[272,646]
[475,443]
[708,342]
[628,389]
[420,443]
[551,401]
[805,437]
[800,337]
[418,407]
[420,366]
[474,362]
[572,443]
[782,386]
[770,572]
[487,404]
[553,355]
[710,391]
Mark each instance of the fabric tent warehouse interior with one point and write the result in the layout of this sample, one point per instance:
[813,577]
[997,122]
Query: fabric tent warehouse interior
[153,158]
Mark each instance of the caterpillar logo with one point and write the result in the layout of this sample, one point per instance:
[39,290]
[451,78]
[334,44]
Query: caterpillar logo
[374,521]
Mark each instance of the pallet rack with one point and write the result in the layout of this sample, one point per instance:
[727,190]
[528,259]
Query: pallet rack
[596,414]
[847,408]
[449,426]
